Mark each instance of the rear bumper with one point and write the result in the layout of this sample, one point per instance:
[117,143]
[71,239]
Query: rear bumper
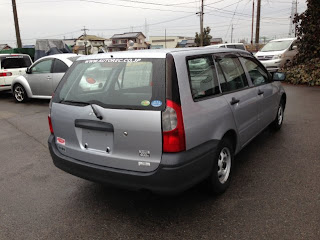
[5,87]
[176,173]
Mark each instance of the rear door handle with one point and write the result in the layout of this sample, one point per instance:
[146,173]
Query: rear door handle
[260,92]
[234,101]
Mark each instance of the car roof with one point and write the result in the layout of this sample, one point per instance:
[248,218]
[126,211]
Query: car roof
[283,39]
[61,56]
[221,44]
[13,54]
[157,53]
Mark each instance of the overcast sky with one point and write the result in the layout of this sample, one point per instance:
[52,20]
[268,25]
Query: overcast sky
[65,18]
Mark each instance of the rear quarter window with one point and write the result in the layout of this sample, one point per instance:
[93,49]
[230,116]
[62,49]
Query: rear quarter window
[203,80]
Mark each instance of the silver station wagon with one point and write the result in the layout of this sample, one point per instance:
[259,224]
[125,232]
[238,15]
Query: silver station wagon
[161,120]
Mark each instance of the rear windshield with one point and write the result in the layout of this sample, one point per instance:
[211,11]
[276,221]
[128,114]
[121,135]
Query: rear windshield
[115,83]
[10,62]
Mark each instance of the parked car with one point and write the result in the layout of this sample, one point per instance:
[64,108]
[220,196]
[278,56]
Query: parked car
[276,53]
[12,66]
[42,77]
[162,120]
[228,45]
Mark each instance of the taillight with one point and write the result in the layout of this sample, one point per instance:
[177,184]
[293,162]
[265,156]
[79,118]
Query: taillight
[5,74]
[173,128]
[50,124]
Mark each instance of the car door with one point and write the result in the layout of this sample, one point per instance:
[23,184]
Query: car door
[242,99]
[58,70]
[40,78]
[261,81]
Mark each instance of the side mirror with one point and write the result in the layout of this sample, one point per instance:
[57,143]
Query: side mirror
[28,71]
[295,47]
[278,76]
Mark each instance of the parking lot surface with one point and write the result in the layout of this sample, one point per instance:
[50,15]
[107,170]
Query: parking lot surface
[274,194]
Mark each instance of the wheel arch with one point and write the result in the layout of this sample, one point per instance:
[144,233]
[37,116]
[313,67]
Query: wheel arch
[24,83]
[284,99]
[233,137]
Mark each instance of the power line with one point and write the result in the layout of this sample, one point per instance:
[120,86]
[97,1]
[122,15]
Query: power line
[233,17]
[127,6]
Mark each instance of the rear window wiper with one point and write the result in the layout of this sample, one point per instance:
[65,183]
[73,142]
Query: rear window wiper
[96,112]
[94,109]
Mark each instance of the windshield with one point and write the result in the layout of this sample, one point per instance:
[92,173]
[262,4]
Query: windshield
[115,83]
[276,46]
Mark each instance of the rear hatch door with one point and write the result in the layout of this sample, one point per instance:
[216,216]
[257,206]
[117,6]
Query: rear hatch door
[109,113]
[13,66]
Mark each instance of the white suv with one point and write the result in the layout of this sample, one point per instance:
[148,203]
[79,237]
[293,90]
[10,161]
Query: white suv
[12,66]
[276,53]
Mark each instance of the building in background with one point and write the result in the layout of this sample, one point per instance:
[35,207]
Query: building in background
[120,42]
[5,47]
[89,44]
[214,41]
[166,41]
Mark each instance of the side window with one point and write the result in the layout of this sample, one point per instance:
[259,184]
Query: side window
[294,45]
[59,66]
[231,46]
[203,81]
[257,74]
[240,47]
[233,74]
[42,67]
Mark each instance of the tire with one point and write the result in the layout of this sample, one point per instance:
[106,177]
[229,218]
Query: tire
[19,93]
[220,177]
[277,122]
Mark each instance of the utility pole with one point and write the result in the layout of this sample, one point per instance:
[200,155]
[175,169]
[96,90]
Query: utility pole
[16,23]
[201,24]
[85,38]
[258,25]
[231,32]
[252,24]
[295,25]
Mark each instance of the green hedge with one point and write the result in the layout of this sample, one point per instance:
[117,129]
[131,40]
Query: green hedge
[307,73]
[29,51]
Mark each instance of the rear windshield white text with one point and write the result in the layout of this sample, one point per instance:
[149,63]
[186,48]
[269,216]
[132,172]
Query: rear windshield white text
[114,60]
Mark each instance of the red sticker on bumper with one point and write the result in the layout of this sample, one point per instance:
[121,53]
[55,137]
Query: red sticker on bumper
[61,141]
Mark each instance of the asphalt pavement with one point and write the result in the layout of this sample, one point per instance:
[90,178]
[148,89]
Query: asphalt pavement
[274,194]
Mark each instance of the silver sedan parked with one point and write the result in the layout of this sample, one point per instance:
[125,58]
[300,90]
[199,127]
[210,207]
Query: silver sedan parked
[42,77]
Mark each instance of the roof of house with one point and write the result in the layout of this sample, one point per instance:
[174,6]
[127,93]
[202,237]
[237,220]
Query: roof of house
[127,35]
[2,46]
[91,37]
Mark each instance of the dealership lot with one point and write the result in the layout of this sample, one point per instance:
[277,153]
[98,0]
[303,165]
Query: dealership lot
[275,192]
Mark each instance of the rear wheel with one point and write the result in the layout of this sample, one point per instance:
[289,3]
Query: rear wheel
[19,93]
[219,180]
[277,123]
